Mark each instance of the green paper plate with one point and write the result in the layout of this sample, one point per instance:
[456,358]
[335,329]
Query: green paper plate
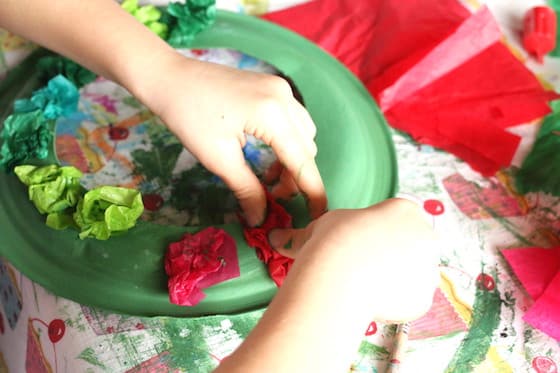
[356,158]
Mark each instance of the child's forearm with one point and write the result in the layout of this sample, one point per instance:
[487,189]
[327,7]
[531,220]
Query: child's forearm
[315,323]
[96,33]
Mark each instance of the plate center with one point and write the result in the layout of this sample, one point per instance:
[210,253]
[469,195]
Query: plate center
[115,140]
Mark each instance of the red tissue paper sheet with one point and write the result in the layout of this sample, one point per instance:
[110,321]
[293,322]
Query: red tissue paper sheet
[538,270]
[437,72]
[257,237]
[199,261]
[535,267]
[545,313]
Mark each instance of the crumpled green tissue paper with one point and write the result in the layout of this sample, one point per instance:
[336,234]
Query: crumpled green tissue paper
[28,132]
[51,66]
[25,136]
[148,15]
[190,19]
[107,210]
[53,190]
[59,97]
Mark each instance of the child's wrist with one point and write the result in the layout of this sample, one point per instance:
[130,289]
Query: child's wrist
[148,76]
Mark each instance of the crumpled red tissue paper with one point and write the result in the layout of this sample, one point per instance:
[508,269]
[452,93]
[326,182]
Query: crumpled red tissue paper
[257,238]
[438,72]
[199,261]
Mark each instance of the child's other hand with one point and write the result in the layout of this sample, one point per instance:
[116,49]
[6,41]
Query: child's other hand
[212,107]
[387,251]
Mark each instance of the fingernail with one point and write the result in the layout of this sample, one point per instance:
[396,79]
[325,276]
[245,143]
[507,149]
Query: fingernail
[313,212]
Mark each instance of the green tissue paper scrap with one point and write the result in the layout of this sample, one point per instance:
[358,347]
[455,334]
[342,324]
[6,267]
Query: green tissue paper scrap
[541,169]
[25,136]
[59,97]
[555,4]
[98,213]
[106,210]
[52,66]
[189,19]
[53,190]
[28,133]
[148,15]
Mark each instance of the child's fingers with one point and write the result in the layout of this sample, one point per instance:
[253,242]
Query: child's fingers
[286,187]
[281,241]
[288,242]
[307,131]
[278,131]
[305,119]
[272,174]
[304,124]
[304,171]
[229,164]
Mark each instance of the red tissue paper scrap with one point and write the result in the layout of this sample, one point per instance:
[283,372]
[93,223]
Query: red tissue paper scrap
[437,71]
[538,270]
[257,237]
[199,261]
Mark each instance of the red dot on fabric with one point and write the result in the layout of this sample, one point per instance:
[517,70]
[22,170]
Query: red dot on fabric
[199,52]
[485,282]
[372,329]
[544,364]
[434,207]
[152,202]
[56,329]
[118,133]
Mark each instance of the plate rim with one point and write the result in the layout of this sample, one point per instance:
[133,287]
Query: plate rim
[226,22]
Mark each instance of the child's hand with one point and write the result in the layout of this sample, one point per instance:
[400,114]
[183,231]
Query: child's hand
[209,107]
[389,246]
[351,267]
[212,107]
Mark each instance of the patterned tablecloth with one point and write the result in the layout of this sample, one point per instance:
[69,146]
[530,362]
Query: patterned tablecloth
[475,323]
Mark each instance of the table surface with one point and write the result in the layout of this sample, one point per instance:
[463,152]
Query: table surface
[476,217]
